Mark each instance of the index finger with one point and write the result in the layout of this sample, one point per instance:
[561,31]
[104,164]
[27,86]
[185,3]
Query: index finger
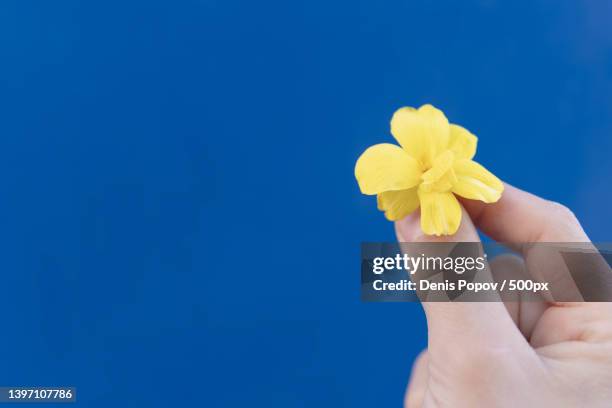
[520,220]
[520,217]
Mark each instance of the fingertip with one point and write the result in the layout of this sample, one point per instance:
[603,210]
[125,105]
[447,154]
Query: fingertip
[409,229]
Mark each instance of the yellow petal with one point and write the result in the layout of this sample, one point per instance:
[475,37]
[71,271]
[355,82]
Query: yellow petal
[424,133]
[441,176]
[379,202]
[475,182]
[385,167]
[440,213]
[398,204]
[462,142]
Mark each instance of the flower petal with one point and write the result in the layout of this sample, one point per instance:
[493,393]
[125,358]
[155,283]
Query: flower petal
[423,132]
[385,167]
[441,176]
[475,182]
[440,213]
[379,202]
[462,142]
[398,204]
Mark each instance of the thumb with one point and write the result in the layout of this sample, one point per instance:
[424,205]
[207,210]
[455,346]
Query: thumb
[457,329]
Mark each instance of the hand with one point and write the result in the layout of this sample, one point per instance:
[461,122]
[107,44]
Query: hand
[519,354]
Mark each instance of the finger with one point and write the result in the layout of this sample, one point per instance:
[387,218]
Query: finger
[456,327]
[525,308]
[417,386]
[521,217]
[582,322]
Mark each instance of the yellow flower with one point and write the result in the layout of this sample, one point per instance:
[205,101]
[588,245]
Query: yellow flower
[433,164]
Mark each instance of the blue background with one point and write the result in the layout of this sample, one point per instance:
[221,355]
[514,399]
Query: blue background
[179,217]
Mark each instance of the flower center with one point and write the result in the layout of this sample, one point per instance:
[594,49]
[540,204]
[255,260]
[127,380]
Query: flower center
[440,177]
